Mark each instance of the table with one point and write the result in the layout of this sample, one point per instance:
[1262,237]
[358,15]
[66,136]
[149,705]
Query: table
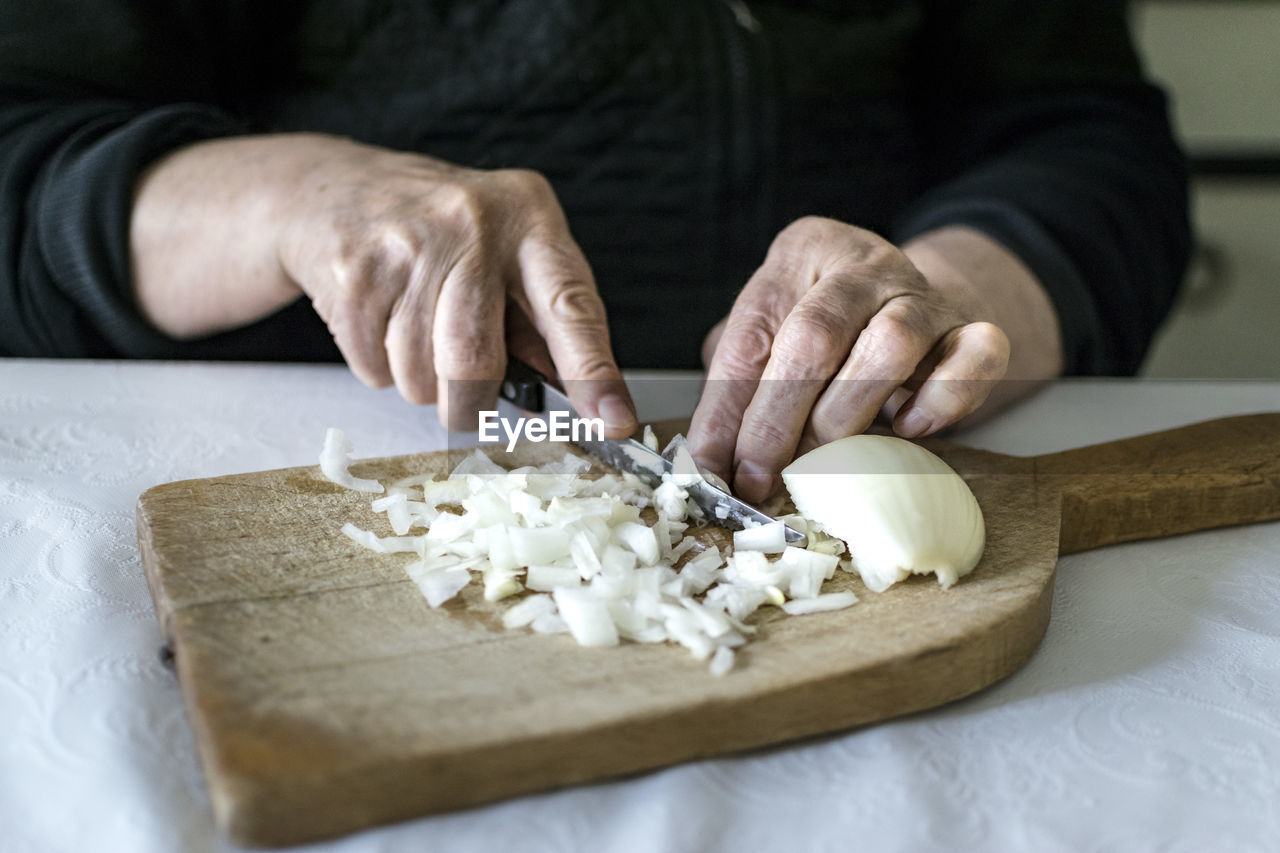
[1149,719]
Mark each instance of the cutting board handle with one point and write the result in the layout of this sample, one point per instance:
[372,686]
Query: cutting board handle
[1205,475]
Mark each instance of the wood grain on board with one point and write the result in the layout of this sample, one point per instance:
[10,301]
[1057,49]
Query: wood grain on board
[326,696]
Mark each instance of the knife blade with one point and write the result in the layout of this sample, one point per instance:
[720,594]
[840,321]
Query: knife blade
[529,390]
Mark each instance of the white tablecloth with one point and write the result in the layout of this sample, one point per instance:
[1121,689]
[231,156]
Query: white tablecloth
[1148,720]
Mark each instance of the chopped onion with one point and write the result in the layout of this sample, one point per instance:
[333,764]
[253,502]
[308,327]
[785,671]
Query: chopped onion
[538,544]
[808,569]
[586,616]
[642,541]
[822,603]
[671,500]
[528,609]
[439,587]
[770,538]
[547,578]
[722,661]
[684,471]
[383,545]
[335,460]
[549,623]
[610,575]
[500,585]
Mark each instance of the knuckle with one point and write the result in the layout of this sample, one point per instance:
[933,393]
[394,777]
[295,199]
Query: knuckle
[470,356]
[989,349]
[894,331]
[745,346]
[885,263]
[576,303]
[379,259]
[808,227]
[827,428]
[462,206]
[526,181]
[589,366]
[354,292]
[396,242]
[763,440]
[555,253]
[812,339]
[889,350]
[801,238]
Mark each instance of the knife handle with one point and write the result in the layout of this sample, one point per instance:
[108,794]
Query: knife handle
[523,386]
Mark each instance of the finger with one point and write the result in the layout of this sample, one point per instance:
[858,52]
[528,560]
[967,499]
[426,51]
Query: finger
[973,359]
[811,345]
[884,357]
[409,336]
[468,349]
[738,349]
[524,342]
[567,312]
[734,371]
[711,341]
[356,306]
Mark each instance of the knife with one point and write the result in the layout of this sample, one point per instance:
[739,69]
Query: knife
[529,390]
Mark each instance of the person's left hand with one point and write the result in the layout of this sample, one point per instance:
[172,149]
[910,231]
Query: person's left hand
[823,336]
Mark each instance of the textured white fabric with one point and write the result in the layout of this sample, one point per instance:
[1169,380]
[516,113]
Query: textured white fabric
[1149,719]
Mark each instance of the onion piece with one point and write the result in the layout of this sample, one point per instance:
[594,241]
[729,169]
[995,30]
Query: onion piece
[549,623]
[528,609]
[548,578]
[671,500]
[335,462]
[382,544]
[586,616]
[821,604]
[808,569]
[684,471]
[722,661]
[538,545]
[439,587]
[641,539]
[770,538]
[500,585]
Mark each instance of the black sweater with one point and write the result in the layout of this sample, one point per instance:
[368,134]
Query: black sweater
[680,136]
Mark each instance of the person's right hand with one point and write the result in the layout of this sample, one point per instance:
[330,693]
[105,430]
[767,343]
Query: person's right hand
[427,274]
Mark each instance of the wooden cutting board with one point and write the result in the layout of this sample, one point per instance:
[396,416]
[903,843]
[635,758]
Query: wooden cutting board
[326,696]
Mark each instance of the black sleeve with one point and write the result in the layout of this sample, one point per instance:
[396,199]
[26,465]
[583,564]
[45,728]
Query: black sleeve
[1045,137]
[89,97]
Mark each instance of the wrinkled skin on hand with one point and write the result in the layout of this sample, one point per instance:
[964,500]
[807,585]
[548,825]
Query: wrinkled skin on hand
[837,325]
[427,274]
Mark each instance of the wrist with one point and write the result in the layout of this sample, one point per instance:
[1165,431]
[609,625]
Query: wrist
[205,229]
[990,283]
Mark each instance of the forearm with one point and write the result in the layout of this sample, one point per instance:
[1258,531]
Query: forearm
[205,230]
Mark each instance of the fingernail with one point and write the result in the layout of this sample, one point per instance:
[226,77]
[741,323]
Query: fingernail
[914,423]
[616,412]
[752,482]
